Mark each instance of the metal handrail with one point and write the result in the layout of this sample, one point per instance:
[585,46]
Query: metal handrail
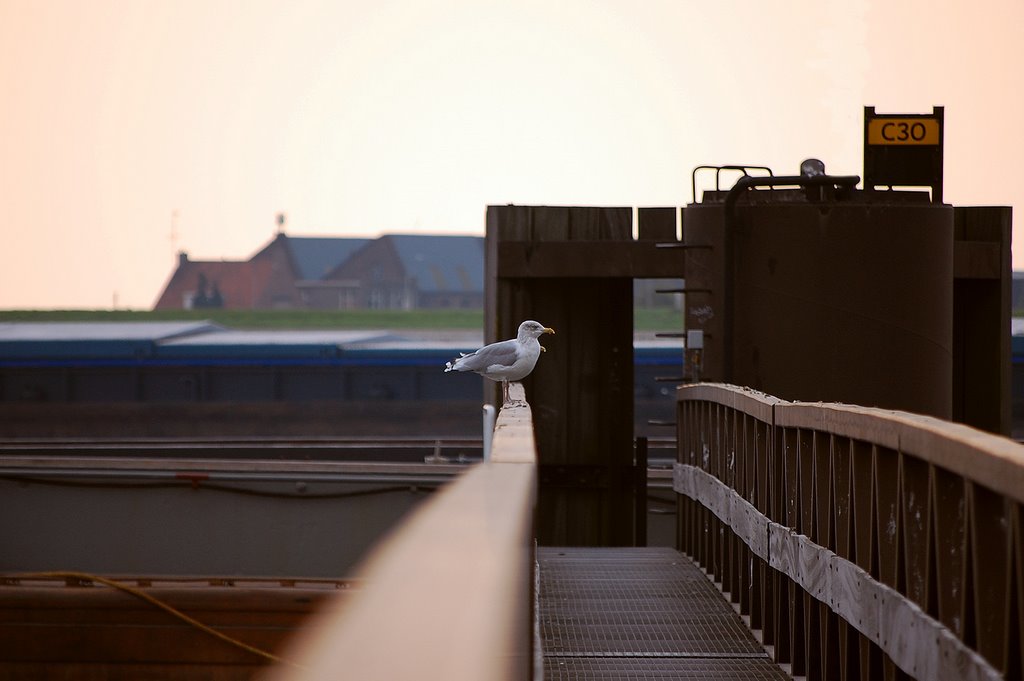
[742,169]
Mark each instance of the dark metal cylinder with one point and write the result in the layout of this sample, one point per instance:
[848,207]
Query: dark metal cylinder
[847,301]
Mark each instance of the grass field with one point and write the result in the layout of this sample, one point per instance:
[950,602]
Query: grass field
[644,319]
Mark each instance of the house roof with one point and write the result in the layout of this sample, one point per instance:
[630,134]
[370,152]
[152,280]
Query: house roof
[437,263]
[239,282]
[441,263]
[316,256]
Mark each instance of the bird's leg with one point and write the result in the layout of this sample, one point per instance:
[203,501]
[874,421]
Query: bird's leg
[504,393]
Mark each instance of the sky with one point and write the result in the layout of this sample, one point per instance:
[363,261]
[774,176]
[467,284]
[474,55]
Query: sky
[133,129]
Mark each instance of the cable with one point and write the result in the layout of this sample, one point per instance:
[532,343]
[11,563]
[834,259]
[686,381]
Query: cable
[138,593]
[213,486]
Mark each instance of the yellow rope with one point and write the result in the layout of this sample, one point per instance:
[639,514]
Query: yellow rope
[138,593]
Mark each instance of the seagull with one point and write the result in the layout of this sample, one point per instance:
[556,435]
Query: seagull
[510,360]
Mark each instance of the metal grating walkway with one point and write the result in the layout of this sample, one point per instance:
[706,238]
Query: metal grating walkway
[640,613]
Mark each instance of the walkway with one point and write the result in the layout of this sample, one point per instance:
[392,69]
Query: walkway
[640,613]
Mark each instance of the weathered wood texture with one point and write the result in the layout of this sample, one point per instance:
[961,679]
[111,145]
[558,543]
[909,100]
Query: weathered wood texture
[448,595]
[658,224]
[595,259]
[864,543]
[572,269]
[819,305]
[982,302]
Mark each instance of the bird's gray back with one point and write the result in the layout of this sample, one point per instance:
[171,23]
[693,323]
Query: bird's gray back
[503,353]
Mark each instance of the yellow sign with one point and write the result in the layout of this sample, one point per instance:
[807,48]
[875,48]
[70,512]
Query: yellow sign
[883,131]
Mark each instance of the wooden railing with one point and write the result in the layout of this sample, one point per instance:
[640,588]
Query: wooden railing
[448,595]
[862,543]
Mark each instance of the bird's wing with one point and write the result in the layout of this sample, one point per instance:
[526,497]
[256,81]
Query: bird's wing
[504,353]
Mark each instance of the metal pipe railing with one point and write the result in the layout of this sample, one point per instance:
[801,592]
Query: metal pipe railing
[858,541]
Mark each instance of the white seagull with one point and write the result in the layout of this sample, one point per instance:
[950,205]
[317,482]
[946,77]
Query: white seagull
[510,360]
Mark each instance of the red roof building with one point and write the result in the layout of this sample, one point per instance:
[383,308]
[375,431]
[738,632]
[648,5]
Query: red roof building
[394,271]
[265,281]
[231,284]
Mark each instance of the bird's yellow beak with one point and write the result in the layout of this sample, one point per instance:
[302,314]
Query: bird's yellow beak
[548,329]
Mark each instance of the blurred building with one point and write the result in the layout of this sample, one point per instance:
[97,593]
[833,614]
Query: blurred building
[395,271]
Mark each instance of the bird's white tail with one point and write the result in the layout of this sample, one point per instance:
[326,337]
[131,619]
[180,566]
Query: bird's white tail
[450,366]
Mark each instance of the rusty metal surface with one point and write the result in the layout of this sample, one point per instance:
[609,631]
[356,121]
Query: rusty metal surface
[640,613]
[660,668]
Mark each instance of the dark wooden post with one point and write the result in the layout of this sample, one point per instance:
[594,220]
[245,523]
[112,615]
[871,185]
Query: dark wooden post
[581,392]
[572,269]
[981,317]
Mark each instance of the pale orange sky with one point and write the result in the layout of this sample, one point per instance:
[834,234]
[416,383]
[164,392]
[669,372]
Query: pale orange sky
[357,118]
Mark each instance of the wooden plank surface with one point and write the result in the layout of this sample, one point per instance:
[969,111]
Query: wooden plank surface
[658,224]
[915,641]
[989,460]
[566,259]
[749,401]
